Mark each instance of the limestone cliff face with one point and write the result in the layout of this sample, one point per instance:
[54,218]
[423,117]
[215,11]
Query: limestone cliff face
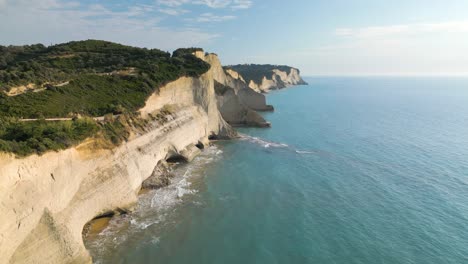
[252,98]
[234,111]
[279,79]
[236,102]
[192,91]
[46,200]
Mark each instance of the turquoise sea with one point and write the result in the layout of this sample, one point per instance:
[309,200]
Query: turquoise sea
[354,170]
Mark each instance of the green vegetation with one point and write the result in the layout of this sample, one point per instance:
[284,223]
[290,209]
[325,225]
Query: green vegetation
[90,78]
[91,95]
[24,138]
[101,75]
[256,72]
[185,51]
[38,137]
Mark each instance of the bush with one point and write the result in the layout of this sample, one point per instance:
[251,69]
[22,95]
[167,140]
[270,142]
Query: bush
[24,138]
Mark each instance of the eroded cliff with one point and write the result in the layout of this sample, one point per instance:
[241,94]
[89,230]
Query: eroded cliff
[233,97]
[45,201]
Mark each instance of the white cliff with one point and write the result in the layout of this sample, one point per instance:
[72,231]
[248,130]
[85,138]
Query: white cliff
[279,79]
[46,200]
[263,78]
[252,98]
[236,102]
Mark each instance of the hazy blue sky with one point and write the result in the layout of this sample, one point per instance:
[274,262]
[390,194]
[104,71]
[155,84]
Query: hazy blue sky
[331,37]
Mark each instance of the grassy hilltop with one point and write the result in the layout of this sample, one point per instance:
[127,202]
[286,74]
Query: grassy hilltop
[90,78]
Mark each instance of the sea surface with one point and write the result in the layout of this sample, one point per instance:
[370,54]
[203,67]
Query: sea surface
[354,170]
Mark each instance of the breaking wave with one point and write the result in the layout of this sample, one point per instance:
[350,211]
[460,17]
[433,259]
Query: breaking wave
[154,207]
[271,144]
[263,142]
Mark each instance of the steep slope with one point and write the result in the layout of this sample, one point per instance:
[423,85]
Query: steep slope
[231,97]
[251,98]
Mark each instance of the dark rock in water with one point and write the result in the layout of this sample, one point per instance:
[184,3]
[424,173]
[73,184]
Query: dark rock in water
[161,177]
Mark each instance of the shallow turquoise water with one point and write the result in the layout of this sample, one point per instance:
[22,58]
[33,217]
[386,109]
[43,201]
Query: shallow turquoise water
[354,170]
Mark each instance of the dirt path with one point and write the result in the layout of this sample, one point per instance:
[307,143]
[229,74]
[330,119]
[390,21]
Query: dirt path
[99,118]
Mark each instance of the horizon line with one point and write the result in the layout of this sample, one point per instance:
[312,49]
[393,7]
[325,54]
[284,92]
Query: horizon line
[460,75]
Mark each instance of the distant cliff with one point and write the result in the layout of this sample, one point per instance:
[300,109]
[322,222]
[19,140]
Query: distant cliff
[263,78]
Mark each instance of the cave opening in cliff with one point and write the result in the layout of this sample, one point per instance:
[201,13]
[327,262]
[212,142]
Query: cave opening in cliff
[176,158]
[200,145]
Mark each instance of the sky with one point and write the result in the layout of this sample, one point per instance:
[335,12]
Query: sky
[320,37]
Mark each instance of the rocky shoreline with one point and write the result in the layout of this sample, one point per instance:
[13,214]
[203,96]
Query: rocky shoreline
[47,200]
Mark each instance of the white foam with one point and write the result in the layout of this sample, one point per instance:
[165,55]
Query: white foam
[142,225]
[197,203]
[155,241]
[263,142]
[155,207]
[270,144]
[304,152]
[182,191]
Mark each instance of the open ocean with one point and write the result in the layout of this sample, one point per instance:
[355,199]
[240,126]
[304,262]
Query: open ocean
[354,170]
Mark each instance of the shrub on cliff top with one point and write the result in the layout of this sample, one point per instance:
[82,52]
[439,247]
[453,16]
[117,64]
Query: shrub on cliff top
[38,137]
[24,138]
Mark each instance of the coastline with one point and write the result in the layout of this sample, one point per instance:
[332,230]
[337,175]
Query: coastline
[97,225]
[51,198]
[310,183]
[154,206]
[103,228]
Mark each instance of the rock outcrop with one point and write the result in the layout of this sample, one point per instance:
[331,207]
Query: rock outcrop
[233,111]
[160,177]
[232,99]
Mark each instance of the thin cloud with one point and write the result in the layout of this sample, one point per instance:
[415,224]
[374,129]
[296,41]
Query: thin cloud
[399,49]
[180,7]
[56,21]
[241,4]
[173,3]
[173,11]
[409,29]
[215,4]
[209,17]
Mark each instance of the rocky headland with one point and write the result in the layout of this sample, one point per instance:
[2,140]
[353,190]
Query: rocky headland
[264,78]
[46,199]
